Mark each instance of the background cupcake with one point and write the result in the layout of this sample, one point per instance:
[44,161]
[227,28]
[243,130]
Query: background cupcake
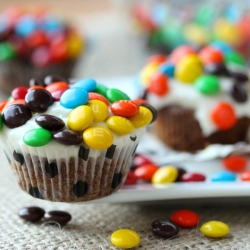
[34,42]
[72,149]
[202,97]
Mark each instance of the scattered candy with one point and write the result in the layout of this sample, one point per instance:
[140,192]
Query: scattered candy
[114,95]
[37,137]
[32,213]
[235,163]
[223,115]
[193,177]
[142,118]
[223,176]
[163,175]
[38,100]
[120,125]
[207,84]
[16,115]
[146,171]
[60,217]
[125,108]
[67,137]
[80,118]
[245,175]
[164,229]
[185,218]
[50,122]
[74,97]
[125,238]
[215,229]
[98,137]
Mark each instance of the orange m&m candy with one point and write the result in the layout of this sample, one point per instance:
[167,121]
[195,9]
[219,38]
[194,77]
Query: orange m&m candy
[235,163]
[211,55]
[223,116]
[158,84]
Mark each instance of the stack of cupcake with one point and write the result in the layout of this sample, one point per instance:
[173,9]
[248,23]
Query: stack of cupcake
[35,43]
[202,96]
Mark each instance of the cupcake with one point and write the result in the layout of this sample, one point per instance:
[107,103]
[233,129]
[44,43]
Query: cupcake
[71,144]
[166,25]
[35,43]
[202,97]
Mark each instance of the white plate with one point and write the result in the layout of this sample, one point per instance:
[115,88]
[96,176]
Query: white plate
[192,190]
[205,162]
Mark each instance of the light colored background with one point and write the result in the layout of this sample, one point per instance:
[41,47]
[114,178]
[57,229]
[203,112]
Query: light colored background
[112,51]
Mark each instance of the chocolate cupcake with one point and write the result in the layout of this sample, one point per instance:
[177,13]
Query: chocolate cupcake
[75,145]
[202,97]
[35,43]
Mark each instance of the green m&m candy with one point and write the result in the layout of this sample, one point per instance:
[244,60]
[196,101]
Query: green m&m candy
[114,95]
[234,57]
[1,122]
[37,137]
[207,84]
[7,51]
[101,89]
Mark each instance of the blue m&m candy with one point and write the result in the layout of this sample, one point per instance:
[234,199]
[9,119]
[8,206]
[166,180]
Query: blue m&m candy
[87,83]
[25,26]
[167,69]
[223,176]
[73,98]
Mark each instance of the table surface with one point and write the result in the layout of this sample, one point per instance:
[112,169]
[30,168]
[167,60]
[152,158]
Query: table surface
[113,51]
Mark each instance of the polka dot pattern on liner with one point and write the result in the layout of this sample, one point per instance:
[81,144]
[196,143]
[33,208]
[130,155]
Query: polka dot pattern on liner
[77,144]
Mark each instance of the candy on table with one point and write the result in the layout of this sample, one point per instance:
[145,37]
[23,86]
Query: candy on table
[41,38]
[193,177]
[223,176]
[165,174]
[215,229]
[125,238]
[164,229]
[93,117]
[57,216]
[235,163]
[31,213]
[185,218]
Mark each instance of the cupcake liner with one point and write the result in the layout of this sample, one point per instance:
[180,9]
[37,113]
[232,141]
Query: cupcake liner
[16,72]
[85,175]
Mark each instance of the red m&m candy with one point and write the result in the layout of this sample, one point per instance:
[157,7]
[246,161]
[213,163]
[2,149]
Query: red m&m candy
[96,96]
[125,108]
[158,84]
[145,172]
[185,218]
[19,92]
[223,116]
[211,55]
[235,163]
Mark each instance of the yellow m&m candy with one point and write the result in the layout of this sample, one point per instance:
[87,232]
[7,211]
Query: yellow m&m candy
[142,118]
[80,118]
[98,137]
[164,175]
[120,125]
[125,238]
[148,71]
[100,110]
[215,229]
[188,69]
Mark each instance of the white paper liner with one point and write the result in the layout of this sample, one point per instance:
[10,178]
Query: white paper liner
[101,174]
[160,154]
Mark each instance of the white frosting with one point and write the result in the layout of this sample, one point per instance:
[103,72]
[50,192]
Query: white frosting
[13,138]
[186,95]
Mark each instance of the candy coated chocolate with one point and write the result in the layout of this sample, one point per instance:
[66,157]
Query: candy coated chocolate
[238,93]
[67,137]
[32,213]
[16,115]
[54,78]
[38,100]
[50,122]
[152,109]
[164,229]
[60,217]
[35,82]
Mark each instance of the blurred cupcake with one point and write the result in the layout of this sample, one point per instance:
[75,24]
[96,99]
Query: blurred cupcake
[202,97]
[72,144]
[35,43]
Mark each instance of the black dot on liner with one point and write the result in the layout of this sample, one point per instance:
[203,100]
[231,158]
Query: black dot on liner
[116,180]
[34,191]
[80,188]
[18,157]
[133,153]
[133,138]
[51,169]
[110,152]
[83,153]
